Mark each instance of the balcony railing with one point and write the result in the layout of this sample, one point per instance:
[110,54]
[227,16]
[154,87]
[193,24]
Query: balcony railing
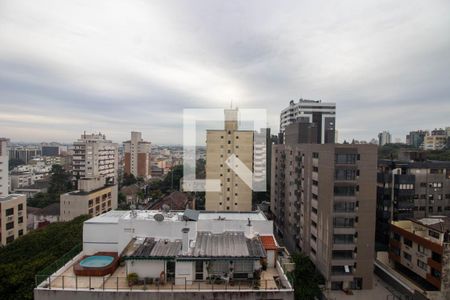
[98,283]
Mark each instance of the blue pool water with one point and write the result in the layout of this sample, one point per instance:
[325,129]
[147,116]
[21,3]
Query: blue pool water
[96,261]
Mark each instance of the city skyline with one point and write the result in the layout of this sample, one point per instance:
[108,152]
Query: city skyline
[65,70]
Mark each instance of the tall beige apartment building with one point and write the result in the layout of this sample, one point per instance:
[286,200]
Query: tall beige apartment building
[95,156]
[323,198]
[137,156]
[234,194]
[13,208]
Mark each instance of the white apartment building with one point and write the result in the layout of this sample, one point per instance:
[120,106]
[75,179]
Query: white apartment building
[176,255]
[95,156]
[384,138]
[434,142]
[323,114]
[13,208]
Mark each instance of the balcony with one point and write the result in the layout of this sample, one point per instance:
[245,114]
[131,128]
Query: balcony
[344,230]
[434,264]
[349,246]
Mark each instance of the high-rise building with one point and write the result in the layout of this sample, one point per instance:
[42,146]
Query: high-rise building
[416,138]
[24,153]
[436,140]
[321,114]
[234,194]
[384,138]
[410,189]
[137,156]
[95,156]
[13,207]
[4,167]
[262,152]
[323,200]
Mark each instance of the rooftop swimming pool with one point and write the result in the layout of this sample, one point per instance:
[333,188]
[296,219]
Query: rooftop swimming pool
[96,261]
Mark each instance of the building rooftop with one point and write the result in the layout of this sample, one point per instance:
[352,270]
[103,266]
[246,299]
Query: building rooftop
[227,244]
[116,215]
[438,223]
[149,247]
[11,197]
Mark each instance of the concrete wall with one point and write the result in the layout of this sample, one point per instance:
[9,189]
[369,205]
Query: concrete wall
[271,258]
[146,268]
[169,295]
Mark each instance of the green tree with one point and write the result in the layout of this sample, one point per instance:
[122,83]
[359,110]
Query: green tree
[60,181]
[306,278]
[390,151]
[128,179]
[21,260]
[443,155]
[172,180]
[122,202]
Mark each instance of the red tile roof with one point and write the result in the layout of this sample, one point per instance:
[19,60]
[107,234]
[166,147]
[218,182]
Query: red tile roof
[268,242]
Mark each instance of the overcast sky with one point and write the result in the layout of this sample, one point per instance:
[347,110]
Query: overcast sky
[116,66]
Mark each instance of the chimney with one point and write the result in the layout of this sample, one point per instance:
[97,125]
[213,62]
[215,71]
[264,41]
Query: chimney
[185,240]
[249,229]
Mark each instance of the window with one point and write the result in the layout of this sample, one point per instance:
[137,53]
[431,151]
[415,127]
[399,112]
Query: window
[422,265]
[407,242]
[341,222]
[9,239]
[407,256]
[344,190]
[20,207]
[343,239]
[421,249]
[345,174]
[20,221]
[433,233]
[396,236]
[9,225]
[435,273]
[20,232]
[9,211]
[315,155]
[346,158]
[436,257]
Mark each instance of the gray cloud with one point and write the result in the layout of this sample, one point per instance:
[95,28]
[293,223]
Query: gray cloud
[115,66]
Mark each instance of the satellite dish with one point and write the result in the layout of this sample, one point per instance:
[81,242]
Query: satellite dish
[166,208]
[159,217]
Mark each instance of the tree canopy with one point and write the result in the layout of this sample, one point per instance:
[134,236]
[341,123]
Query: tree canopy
[21,260]
[306,278]
[60,182]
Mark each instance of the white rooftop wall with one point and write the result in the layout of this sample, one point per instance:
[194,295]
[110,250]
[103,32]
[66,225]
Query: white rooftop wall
[114,230]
